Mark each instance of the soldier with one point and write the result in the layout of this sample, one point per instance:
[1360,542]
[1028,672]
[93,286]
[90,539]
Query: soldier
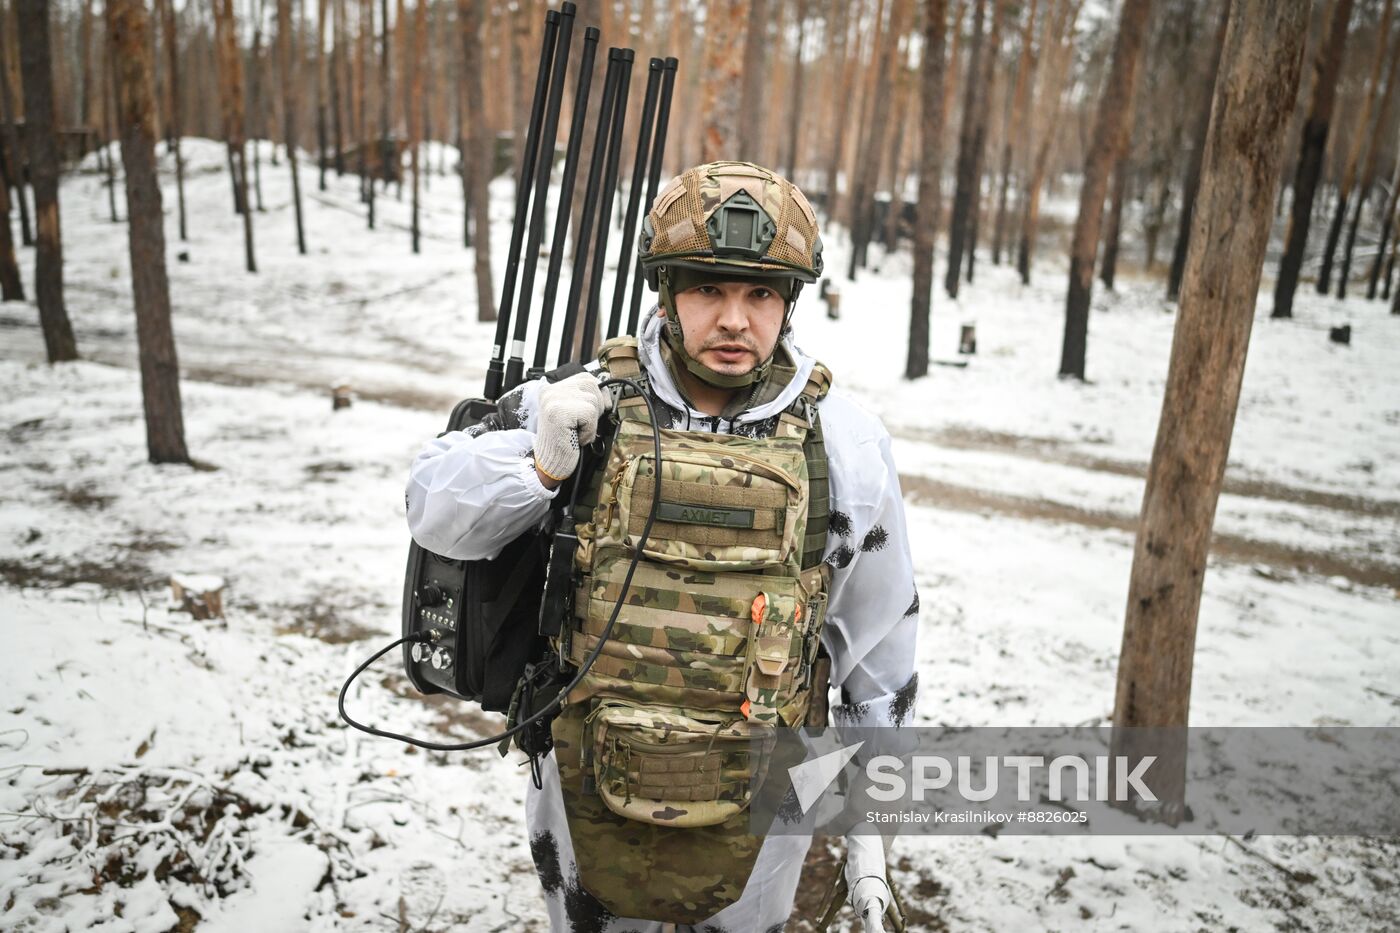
[780,566]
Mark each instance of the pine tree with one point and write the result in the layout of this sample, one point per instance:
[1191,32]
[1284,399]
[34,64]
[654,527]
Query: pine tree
[128,30]
[930,205]
[36,69]
[1112,128]
[1326,69]
[481,143]
[286,54]
[1242,163]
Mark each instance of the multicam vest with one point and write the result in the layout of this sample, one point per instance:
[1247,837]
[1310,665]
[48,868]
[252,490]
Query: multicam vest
[663,744]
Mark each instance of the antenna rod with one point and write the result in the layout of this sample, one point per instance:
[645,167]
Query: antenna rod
[591,36]
[495,370]
[540,204]
[634,195]
[590,206]
[600,248]
[658,151]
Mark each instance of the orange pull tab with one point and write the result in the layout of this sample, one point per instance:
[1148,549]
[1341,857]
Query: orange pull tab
[797,612]
[760,603]
[745,708]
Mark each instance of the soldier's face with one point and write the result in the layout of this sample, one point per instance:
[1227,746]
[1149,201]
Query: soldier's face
[730,327]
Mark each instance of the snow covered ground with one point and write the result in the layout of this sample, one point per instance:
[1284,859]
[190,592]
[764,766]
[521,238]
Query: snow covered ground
[164,773]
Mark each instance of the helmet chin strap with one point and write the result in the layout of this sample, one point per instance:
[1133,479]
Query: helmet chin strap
[675,338]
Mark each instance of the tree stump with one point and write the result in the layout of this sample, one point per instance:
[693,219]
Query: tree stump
[201,595]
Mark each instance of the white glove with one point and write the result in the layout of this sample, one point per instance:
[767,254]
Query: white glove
[865,876]
[569,413]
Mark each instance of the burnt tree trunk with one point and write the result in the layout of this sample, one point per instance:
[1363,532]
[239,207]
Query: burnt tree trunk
[160,368]
[1326,70]
[286,54]
[1192,181]
[482,144]
[1112,127]
[36,73]
[929,206]
[1242,163]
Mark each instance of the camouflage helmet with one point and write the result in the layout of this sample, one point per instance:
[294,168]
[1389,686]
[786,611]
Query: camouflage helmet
[734,217]
[731,220]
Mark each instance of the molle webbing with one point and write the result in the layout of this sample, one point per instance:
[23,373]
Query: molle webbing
[620,358]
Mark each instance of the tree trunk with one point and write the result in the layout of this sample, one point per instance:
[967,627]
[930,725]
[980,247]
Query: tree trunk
[1327,69]
[232,97]
[176,123]
[11,286]
[1015,116]
[904,90]
[988,81]
[338,66]
[1058,45]
[837,41]
[286,55]
[794,130]
[85,51]
[36,71]
[1334,232]
[321,73]
[1192,181]
[9,137]
[721,81]
[1109,270]
[256,118]
[1112,128]
[754,85]
[109,127]
[929,206]
[415,110]
[481,141]
[964,194]
[1242,163]
[1387,227]
[868,167]
[367,145]
[160,369]
[1368,171]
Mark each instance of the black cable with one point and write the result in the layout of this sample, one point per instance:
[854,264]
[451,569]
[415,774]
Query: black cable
[587,663]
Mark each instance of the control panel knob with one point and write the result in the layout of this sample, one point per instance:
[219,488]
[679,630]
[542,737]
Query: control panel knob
[442,659]
[430,594]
